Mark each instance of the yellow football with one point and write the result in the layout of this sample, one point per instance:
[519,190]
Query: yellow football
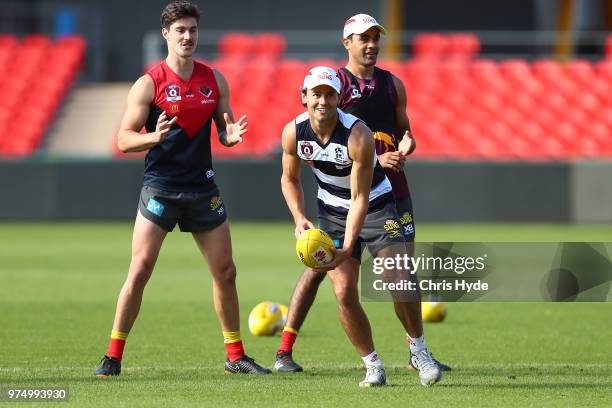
[313,248]
[433,312]
[266,319]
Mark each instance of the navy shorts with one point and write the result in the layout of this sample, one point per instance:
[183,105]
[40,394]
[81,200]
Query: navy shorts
[194,212]
[380,229]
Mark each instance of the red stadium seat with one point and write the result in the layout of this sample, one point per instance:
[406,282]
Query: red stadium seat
[457,102]
[270,44]
[606,116]
[548,71]
[579,70]
[453,73]
[238,44]
[530,86]
[36,41]
[490,102]
[545,117]
[512,117]
[566,132]
[577,117]
[516,70]
[463,45]
[555,101]
[443,116]
[598,131]
[487,74]
[326,62]
[394,66]
[524,102]
[587,101]
[7,41]
[533,132]
[604,69]
[601,88]
[430,45]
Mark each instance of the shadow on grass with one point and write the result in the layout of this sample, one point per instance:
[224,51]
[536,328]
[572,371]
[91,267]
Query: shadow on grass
[525,378]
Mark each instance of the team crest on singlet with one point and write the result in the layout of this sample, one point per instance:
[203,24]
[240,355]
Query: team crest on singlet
[173,93]
[306,149]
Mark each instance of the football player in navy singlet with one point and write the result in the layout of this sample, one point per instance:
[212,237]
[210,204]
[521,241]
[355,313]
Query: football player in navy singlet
[177,101]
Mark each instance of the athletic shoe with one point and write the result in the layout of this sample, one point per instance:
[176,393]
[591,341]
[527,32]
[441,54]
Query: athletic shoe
[375,377]
[245,365]
[108,366]
[429,372]
[441,366]
[285,364]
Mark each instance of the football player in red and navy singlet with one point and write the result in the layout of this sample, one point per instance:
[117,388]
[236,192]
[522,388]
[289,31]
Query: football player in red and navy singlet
[177,101]
[379,99]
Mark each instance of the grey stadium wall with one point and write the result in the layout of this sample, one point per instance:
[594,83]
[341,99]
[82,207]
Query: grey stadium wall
[442,191]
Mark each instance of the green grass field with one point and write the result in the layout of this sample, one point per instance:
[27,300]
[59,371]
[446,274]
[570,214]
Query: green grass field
[59,282]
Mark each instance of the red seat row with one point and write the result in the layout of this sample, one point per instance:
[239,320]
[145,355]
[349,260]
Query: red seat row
[455,45]
[247,45]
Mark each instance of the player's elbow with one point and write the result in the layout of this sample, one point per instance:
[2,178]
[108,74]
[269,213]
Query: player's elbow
[288,180]
[121,146]
[413,146]
[121,143]
[361,200]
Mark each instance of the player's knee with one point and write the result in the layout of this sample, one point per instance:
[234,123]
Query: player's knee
[346,295]
[313,278]
[225,274]
[140,270]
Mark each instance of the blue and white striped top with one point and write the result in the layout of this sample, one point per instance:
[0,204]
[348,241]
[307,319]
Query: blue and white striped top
[332,166]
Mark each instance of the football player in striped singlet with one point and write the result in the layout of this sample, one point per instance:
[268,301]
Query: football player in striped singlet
[356,207]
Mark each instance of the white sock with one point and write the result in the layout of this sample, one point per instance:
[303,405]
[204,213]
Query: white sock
[417,343]
[372,359]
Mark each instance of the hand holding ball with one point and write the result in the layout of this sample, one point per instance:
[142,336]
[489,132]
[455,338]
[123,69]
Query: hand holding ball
[314,248]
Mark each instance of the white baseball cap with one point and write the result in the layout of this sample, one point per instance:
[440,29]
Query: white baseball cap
[359,24]
[322,76]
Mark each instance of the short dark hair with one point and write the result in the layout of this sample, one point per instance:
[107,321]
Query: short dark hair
[177,10]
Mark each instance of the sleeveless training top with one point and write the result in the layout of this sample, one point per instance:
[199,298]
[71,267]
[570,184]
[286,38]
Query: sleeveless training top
[374,102]
[332,166]
[182,162]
